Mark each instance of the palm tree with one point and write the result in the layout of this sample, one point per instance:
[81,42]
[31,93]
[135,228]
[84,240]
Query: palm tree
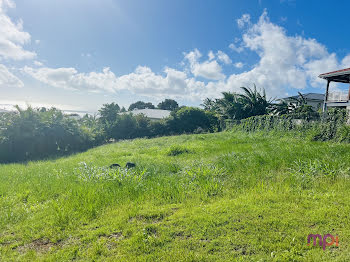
[300,100]
[281,108]
[230,106]
[254,102]
[209,104]
[238,106]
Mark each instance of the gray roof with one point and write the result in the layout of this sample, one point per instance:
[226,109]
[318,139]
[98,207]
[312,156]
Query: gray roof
[308,96]
[151,113]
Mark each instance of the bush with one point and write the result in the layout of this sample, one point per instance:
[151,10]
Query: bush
[33,134]
[124,127]
[188,119]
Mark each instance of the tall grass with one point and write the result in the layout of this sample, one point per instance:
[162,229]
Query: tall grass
[224,196]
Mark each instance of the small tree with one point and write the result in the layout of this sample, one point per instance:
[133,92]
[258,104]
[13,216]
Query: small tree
[142,126]
[108,113]
[188,119]
[141,105]
[168,104]
[124,127]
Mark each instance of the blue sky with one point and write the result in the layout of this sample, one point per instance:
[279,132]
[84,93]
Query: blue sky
[80,54]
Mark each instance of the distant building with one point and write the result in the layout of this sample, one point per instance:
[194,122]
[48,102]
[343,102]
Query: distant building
[312,99]
[152,114]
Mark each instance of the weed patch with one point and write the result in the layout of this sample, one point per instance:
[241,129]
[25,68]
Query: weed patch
[177,150]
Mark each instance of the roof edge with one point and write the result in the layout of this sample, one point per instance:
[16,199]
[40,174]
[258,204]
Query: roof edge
[335,73]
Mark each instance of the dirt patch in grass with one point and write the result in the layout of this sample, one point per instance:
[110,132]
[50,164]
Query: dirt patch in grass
[113,236]
[116,236]
[152,217]
[41,245]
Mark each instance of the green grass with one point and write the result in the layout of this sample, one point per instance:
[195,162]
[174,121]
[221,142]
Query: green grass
[225,196]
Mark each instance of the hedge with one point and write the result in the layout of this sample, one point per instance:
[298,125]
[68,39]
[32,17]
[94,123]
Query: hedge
[330,126]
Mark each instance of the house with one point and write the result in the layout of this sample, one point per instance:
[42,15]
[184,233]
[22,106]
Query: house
[152,114]
[312,99]
[337,99]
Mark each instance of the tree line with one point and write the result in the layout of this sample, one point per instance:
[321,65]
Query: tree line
[37,133]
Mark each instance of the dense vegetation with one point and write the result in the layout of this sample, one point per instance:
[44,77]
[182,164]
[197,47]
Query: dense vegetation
[39,133]
[315,126]
[206,197]
[239,106]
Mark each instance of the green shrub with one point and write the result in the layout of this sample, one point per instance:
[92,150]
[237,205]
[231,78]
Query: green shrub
[36,133]
[188,119]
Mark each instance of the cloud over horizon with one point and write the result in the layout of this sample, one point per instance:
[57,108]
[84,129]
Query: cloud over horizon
[284,63]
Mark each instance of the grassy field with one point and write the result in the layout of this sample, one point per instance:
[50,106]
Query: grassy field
[225,196]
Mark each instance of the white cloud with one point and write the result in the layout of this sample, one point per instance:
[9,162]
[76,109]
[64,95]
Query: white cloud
[69,78]
[211,55]
[238,49]
[208,69]
[12,36]
[142,81]
[345,63]
[86,55]
[4,4]
[285,62]
[239,64]
[38,63]
[145,82]
[223,57]
[244,20]
[7,79]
